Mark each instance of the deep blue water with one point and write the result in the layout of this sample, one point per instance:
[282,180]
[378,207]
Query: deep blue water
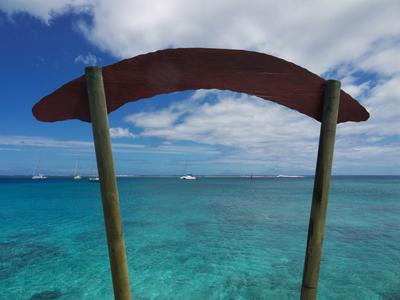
[214,238]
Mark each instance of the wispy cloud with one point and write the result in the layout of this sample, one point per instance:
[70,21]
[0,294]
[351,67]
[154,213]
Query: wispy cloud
[159,119]
[356,42]
[46,10]
[88,60]
[252,130]
[37,141]
[10,149]
[337,33]
[232,120]
[119,132]
[383,102]
[43,142]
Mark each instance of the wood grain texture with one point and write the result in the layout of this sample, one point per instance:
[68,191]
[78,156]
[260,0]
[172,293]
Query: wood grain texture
[108,184]
[322,178]
[173,70]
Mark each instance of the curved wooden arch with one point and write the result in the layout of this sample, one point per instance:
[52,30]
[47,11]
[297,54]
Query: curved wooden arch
[167,71]
[173,70]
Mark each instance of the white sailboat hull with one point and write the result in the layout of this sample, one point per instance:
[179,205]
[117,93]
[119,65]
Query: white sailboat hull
[188,177]
[38,177]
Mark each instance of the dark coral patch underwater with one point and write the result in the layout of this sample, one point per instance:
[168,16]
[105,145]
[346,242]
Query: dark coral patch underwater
[47,295]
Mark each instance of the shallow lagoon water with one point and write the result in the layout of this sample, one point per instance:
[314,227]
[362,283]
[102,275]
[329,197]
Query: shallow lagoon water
[214,238]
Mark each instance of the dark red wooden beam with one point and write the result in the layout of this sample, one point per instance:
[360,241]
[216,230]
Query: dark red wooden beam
[173,70]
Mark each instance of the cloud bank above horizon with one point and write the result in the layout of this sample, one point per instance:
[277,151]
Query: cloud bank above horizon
[357,42]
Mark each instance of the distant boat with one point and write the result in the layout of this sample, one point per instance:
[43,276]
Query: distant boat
[94,178]
[188,177]
[76,175]
[290,176]
[39,175]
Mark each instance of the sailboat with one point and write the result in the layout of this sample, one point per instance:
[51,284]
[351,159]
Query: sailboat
[187,176]
[76,175]
[39,175]
[94,178]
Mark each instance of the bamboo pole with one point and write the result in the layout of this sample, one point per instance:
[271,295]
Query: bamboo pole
[321,190]
[108,184]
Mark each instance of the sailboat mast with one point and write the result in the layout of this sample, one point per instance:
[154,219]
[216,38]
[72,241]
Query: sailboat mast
[184,170]
[76,169]
[36,168]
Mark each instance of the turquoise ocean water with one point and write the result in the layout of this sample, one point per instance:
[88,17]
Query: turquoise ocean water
[214,238]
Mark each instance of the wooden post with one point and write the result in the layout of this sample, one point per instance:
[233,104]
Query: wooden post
[321,190]
[108,184]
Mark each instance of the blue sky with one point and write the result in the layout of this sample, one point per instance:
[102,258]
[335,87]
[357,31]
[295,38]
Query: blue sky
[47,43]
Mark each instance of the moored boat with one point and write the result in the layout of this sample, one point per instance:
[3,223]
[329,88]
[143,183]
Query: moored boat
[39,176]
[188,177]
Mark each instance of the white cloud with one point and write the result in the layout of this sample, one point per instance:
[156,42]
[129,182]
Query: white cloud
[88,60]
[167,117]
[317,34]
[247,128]
[342,39]
[182,149]
[346,36]
[71,145]
[383,103]
[159,119]
[383,57]
[44,142]
[35,141]
[229,122]
[254,131]
[45,9]
[10,149]
[119,132]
